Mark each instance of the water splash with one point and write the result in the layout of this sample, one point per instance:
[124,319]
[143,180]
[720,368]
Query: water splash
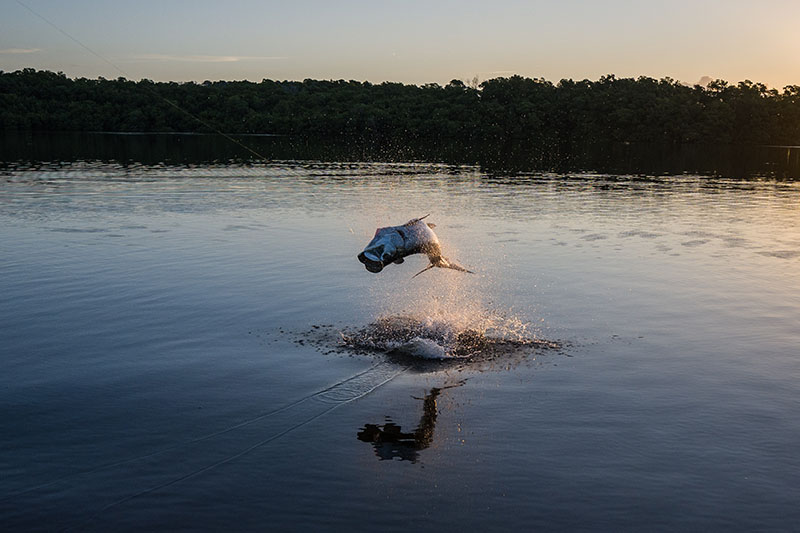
[445,336]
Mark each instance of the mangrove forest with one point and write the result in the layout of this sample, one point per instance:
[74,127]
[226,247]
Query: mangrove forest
[513,109]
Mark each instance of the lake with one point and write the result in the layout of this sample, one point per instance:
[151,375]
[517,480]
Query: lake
[178,348]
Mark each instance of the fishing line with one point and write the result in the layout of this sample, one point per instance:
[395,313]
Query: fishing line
[192,441]
[236,455]
[150,89]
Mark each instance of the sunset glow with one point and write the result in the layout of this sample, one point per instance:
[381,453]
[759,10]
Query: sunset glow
[412,43]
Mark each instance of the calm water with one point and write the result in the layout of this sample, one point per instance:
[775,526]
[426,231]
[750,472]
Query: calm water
[170,356]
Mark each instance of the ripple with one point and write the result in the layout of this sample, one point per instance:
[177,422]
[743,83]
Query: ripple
[695,242]
[782,254]
[735,242]
[78,230]
[640,233]
[594,237]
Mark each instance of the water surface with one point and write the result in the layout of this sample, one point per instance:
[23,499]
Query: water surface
[170,353]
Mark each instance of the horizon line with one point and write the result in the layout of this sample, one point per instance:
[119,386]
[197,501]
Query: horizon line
[704,81]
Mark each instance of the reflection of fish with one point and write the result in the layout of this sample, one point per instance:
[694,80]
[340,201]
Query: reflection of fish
[391,442]
[392,244]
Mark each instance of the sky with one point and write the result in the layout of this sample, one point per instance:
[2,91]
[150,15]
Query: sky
[410,41]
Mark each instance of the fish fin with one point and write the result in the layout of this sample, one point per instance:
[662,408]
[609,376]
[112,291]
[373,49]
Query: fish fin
[415,220]
[423,270]
[446,263]
[431,225]
[454,266]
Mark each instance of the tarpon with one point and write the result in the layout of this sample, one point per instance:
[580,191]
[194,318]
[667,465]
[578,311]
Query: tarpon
[393,244]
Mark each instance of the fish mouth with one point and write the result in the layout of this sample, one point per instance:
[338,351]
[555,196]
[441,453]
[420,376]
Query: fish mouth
[372,266]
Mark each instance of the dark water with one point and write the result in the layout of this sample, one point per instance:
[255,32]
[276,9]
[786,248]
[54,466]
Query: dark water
[172,356]
[503,158]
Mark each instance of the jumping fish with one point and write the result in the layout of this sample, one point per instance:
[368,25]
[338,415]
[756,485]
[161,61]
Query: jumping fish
[393,244]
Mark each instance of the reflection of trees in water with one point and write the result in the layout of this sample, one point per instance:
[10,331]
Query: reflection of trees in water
[390,441]
[499,160]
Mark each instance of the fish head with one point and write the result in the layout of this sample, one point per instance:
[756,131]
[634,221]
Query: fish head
[384,248]
[372,265]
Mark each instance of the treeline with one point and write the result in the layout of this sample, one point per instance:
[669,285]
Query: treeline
[499,110]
